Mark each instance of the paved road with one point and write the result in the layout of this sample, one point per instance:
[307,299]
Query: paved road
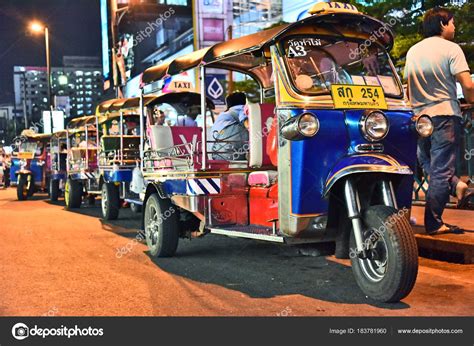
[55,262]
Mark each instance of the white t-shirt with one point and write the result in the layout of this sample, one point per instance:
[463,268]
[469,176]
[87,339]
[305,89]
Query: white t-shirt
[431,68]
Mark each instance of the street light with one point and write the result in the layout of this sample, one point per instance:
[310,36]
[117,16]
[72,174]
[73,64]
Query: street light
[37,27]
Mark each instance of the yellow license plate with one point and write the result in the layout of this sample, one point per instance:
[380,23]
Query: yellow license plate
[358,97]
[26,155]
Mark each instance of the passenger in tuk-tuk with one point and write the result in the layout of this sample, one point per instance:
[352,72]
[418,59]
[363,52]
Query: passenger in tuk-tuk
[189,120]
[230,131]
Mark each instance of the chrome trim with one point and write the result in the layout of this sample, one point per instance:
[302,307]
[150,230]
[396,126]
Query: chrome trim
[353,212]
[369,147]
[237,234]
[402,170]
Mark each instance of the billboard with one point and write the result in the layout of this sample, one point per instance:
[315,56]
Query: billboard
[213,29]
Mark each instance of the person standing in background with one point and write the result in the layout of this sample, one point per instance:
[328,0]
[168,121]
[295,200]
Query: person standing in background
[432,68]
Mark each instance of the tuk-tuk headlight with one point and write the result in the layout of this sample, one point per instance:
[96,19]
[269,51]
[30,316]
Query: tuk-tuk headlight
[374,126]
[300,127]
[424,126]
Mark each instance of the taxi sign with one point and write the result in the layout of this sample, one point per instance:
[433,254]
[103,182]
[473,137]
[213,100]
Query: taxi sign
[332,7]
[358,97]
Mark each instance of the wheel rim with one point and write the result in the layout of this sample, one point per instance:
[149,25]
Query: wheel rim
[375,268]
[105,199]
[152,228]
[66,192]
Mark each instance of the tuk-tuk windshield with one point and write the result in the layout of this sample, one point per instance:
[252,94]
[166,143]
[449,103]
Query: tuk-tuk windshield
[315,63]
[31,147]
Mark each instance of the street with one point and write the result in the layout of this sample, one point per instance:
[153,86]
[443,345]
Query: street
[60,263]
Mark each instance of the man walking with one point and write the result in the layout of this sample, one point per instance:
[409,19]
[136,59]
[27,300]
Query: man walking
[432,68]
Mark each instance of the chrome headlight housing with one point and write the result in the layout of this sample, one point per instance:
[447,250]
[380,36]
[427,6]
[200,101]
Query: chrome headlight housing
[23,163]
[374,126]
[424,126]
[300,127]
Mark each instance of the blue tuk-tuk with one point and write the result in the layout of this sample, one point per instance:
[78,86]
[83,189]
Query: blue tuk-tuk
[331,159]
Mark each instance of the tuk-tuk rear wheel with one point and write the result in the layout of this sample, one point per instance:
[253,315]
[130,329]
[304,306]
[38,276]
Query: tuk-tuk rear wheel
[73,194]
[390,272]
[54,190]
[110,201]
[22,188]
[161,226]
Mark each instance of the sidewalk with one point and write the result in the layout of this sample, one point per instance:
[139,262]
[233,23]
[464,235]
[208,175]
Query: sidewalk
[451,247]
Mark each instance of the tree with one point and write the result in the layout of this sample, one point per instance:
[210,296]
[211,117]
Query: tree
[409,17]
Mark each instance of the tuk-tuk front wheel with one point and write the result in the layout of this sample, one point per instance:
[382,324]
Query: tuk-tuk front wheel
[161,226]
[23,188]
[110,201]
[73,194]
[389,272]
[54,190]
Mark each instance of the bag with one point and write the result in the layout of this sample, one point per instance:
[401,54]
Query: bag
[138,184]
[231,143]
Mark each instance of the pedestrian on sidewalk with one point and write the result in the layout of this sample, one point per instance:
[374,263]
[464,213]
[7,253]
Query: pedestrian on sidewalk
[432,68]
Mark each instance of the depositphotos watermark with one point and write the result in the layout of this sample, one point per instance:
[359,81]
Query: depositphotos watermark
[152,26]
[468,154]
[21,331]
[380,32]
[378,233]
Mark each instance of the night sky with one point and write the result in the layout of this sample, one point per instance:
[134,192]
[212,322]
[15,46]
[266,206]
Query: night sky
[74,30]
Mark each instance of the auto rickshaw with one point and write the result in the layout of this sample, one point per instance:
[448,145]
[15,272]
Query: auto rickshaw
[30,164]
[119,153]
[82,166]
[58,158]
[331,160]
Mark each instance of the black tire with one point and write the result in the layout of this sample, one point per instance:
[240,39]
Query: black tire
[391,274]
[73,194]
[110,201]
[54,190]
[136,208]
[161,226]
[22,188]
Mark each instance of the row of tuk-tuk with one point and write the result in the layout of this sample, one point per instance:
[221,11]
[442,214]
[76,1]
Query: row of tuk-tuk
[331,159]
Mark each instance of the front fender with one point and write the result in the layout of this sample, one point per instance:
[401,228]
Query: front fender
[370,163]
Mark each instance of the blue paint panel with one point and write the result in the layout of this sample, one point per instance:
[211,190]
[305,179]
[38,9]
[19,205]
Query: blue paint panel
[312,160]
[58,176]
[175,187]
[32,166]
[123,175]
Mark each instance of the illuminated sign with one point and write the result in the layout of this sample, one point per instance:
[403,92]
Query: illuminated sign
[333,7]
[105,38]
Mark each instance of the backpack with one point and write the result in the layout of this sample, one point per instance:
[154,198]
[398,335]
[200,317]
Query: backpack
[231,143]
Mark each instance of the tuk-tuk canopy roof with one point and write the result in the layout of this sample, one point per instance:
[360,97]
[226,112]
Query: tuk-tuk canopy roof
[104,106]
[30,134]
[247,54]
[80,122]
[186,98]
[115,105]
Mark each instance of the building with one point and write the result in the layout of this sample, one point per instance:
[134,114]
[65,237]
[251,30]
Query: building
[149,32]
[292,10]
[251,16]
[76,88]
[6,124]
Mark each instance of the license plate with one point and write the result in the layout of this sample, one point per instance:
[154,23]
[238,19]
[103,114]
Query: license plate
[26,155]
[358,97]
